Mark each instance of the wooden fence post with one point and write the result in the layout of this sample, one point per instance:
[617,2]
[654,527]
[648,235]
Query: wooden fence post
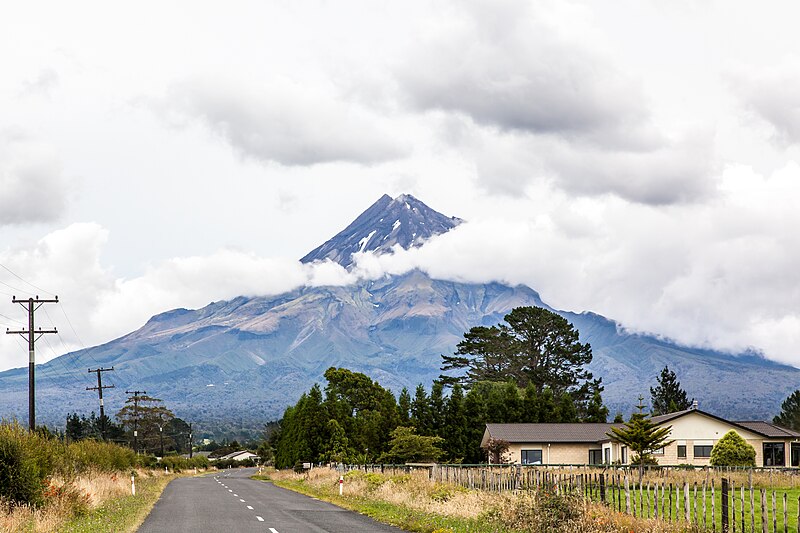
[603,487]
[627,495]
[724,497]
[764,513]
[687,508]
[785,515]
[774,513]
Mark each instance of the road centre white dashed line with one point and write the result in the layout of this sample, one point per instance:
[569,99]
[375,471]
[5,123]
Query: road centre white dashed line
[260,519]
[241,500]
[273,530]
[249,507]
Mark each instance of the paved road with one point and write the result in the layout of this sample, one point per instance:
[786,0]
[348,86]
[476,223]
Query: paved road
[231,502]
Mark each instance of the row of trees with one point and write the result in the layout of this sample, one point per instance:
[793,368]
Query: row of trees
[529,369]
[144,423]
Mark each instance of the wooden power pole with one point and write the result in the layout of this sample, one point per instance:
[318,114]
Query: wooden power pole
[31,305]
[99,390]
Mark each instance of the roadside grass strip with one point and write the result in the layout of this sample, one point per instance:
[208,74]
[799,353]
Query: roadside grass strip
[121,515]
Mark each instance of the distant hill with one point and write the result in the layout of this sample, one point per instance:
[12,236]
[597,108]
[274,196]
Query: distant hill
[239,363]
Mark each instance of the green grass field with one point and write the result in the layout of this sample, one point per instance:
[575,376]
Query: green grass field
[705,510]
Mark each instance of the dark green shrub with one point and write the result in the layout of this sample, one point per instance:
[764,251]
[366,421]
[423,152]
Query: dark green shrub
[733,450]
[22,470]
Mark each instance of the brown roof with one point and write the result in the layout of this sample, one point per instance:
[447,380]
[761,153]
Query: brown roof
[578,432]
[769,430]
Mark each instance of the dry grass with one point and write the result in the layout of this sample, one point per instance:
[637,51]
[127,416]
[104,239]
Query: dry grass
[67,498]
[484,511]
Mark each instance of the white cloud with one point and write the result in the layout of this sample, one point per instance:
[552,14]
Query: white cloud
[773,94]
[538,102]
[284,122]
[705,275]
[101,307]
[32,187]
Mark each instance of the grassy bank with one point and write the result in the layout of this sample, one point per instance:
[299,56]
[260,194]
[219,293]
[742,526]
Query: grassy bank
[104,504]
[47,484]
[414,503]
[123,513]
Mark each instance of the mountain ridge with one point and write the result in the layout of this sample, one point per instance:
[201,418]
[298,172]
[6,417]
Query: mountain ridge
[242,361]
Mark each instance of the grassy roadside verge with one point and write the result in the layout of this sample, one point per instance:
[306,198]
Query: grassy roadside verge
[124,514]
[415,503]
[393,514]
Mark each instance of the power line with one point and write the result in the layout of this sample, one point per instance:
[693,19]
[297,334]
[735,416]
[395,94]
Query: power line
[25,281]
[13,288]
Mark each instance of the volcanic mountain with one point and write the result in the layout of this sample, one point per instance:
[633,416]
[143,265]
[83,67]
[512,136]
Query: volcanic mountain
[237,364]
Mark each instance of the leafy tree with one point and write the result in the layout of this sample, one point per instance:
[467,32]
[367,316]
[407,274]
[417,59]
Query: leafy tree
[642,436]
[367,411]
[144,414]
[496,450]
[406,446]
[535,346]
[733,450]
[338,445]
[789,416]
[668,396]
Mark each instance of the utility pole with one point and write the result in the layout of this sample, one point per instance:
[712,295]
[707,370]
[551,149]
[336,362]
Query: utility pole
[136,394]
[31,305]
[99,390]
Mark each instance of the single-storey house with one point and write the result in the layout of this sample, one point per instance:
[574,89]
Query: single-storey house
[238,456]
[694,433]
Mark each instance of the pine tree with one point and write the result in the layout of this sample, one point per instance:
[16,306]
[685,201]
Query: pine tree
[534,346]
[404,407]
[420,411]
[668,396]
[455,428]
[436,409]
[789,416]
[596,411]
[642,436]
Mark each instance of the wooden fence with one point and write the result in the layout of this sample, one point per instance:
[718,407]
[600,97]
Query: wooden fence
[726,501]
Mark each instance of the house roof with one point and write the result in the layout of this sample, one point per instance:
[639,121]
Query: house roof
[769,429]
[765,429]
[236,454]
[579,432]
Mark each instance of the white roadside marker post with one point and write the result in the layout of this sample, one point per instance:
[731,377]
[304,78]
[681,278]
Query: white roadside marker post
[133,484]
[341,484]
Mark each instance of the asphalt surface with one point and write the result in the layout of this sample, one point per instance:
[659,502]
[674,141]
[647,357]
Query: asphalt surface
[230,502]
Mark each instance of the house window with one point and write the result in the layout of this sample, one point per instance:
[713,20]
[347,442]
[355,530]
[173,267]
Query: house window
[623,455]
[774,454]
[531,457]
[681,451]
[796,454]
[702,451]
[595,457]
[607,456]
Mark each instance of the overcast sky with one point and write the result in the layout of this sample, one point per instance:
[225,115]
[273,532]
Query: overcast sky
[633,158]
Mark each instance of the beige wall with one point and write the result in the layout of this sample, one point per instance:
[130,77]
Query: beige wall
[689,430]
[554,453]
